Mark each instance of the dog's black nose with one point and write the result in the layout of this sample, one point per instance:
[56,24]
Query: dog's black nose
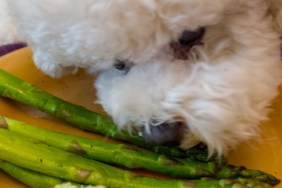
[190,38]
[168,133]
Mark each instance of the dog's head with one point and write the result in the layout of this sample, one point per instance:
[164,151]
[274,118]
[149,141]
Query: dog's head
[188,71]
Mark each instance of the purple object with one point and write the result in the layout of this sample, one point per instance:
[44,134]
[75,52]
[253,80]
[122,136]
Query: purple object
[5,49]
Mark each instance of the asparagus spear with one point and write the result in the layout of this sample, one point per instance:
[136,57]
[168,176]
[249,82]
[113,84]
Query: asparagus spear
[27,153]
[120,154]
[82,118]
[38,180]
[231,171]
[31,178]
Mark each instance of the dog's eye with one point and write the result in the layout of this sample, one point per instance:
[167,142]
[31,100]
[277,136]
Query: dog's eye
[123,65]
[189,38]
[120,66]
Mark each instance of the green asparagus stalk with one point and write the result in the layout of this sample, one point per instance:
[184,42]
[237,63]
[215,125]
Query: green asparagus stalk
[37,156]
[120,154]
[82,118]
[32,178]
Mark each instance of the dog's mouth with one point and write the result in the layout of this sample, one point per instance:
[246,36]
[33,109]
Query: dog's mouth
[186,42]
[169,134]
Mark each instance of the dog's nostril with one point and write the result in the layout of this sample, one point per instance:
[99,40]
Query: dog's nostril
[168,133]
[189,38]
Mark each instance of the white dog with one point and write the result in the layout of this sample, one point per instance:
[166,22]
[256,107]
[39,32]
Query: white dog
[178,71]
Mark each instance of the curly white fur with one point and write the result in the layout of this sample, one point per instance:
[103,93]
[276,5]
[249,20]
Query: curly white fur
[222,92]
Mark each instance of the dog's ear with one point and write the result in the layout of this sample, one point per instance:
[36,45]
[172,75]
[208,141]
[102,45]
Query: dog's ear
[276,12]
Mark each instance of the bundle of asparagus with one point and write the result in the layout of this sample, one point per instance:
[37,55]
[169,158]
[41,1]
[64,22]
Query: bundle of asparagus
[24,153]
[119,154]
[51,162]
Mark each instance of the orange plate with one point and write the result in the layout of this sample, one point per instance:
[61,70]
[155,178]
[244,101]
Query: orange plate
[264,154]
